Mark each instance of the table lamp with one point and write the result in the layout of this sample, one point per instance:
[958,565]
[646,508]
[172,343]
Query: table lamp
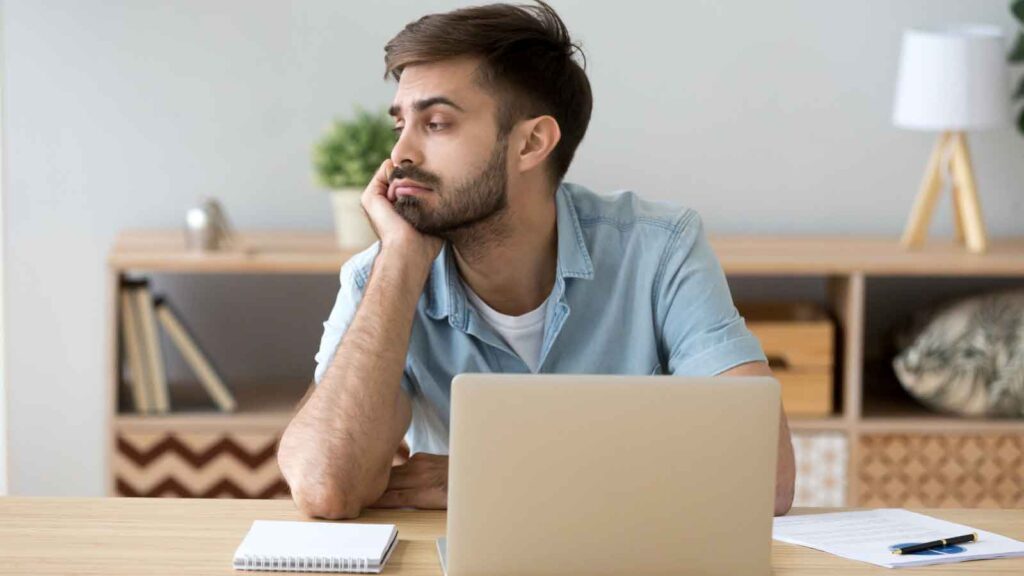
[951,80]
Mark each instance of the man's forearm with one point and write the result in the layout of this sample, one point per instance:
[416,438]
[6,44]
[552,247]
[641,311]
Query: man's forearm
[337,451]
[785,473]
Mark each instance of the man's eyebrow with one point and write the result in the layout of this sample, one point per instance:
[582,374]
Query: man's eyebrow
[421,105]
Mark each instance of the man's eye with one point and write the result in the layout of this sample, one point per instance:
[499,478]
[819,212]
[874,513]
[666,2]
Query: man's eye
[435,126]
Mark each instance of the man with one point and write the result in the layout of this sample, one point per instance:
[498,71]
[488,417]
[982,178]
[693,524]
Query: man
[488,262]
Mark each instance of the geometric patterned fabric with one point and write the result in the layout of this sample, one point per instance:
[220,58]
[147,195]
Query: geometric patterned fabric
[941,470]
[821,465]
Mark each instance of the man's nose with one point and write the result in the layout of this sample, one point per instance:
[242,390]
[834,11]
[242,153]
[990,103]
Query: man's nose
[406,150]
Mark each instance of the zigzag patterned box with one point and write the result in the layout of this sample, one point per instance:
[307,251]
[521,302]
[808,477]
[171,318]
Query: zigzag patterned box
[198,465]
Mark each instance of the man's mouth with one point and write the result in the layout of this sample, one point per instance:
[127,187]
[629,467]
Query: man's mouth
[406,187]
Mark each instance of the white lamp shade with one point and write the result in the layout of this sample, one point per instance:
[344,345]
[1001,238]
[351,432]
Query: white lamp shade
[953,79]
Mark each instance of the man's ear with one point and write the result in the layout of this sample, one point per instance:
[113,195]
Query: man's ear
[537,139]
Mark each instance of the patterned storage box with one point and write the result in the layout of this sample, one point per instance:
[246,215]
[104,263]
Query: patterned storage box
[198,465]
[821,464]
[941,470]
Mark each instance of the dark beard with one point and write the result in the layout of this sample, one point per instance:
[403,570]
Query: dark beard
[462,207]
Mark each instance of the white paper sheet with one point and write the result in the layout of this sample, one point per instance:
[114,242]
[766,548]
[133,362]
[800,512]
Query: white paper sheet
[867,535]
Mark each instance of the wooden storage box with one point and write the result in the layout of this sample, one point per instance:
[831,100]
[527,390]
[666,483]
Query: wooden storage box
[941,469]
[152,462]
[798,339]
[822,460]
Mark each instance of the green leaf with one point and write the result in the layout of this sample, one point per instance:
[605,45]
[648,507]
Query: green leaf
[1020,121]
[1017,54]
[1020,89]
[1018,10]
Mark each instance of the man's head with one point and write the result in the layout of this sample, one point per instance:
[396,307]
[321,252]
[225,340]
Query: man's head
[485,94]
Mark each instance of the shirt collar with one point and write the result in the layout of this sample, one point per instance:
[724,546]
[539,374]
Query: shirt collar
[445,295]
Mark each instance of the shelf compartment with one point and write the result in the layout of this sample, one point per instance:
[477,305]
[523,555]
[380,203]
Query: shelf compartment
[799,340]
[261,406]
[888,407]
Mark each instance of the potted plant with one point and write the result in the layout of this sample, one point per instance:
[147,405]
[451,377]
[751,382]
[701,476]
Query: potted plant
[345,160]
[1017,57]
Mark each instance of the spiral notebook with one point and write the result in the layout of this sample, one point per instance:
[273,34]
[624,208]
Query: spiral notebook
[316,547]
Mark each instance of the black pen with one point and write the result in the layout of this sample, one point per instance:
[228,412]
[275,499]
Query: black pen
[910,549]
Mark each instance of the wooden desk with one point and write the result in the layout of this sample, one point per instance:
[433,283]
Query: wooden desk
[167,536]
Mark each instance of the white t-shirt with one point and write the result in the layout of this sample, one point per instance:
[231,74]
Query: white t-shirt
[524,334]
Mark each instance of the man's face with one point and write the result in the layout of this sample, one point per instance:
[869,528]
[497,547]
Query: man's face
[448,149]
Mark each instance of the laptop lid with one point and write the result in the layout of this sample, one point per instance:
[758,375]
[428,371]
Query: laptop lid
[576,474]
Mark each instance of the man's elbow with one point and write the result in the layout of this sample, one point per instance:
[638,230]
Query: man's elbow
[315,489]
[784,496]
[783,504]
[325,502]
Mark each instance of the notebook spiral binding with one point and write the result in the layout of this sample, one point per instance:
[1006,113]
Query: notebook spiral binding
[315,564]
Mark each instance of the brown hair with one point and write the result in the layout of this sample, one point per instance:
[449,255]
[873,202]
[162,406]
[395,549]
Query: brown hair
[527,64]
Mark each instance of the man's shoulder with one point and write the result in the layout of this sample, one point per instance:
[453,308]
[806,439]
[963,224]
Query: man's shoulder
[627,211]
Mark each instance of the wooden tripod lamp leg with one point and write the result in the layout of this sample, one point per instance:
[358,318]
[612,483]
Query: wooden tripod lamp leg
[967,199]
[958,215]
[924,205]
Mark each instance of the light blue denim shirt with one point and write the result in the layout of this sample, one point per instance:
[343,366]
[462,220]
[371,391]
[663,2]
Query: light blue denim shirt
[637,291]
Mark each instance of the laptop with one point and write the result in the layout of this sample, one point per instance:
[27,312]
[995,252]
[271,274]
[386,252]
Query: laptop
[575,474]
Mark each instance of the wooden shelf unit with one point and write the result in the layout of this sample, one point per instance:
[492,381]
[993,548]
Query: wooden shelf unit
[845,263]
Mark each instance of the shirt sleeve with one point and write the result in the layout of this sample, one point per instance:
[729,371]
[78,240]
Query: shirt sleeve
[702,332]
[350,294]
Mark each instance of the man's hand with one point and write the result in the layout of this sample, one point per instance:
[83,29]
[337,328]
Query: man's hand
[422,482]
[393,230]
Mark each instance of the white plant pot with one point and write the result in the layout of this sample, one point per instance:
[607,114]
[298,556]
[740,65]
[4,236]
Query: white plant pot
[351,227]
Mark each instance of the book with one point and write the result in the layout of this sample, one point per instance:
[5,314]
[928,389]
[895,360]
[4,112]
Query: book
[151,346]
[135,356]
[316,547]
[183,339]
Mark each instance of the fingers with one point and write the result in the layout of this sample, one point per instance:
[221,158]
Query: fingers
[432,498]
[384,177]
[378,202]
[374,197]
[403,477]
[379,185]
[406,476]
[422,470]
[385,170]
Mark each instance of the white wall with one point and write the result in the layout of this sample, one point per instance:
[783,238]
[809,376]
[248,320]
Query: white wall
[765,116]
[3,326]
